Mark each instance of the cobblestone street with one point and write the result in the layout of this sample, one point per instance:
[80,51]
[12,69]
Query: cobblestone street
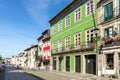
[2,74]
[56,75]
[14,74]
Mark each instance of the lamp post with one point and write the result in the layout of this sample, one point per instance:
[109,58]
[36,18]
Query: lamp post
[0,57]
[96,41]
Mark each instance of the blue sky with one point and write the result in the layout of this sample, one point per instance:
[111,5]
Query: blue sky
[23,21]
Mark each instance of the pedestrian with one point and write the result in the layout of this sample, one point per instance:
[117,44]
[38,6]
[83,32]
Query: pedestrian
[39,65]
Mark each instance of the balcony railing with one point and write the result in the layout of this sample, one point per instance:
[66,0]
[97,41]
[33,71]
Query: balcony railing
[113,41]
[74,48]
[109,16]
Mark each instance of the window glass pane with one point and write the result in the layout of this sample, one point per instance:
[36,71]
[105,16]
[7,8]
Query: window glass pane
[109,61]
[110,32]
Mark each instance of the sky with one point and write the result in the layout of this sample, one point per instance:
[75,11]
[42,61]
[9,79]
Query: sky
[23,21]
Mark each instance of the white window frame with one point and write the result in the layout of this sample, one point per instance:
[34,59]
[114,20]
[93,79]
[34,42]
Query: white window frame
[66,20]
[54,29]
[76,45]
[60,45]
[54,46]
[89,13]
[77,14]
[89,44]
[60,25]
[66,41]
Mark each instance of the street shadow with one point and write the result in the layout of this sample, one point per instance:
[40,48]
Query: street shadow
[2,74]
[35,76]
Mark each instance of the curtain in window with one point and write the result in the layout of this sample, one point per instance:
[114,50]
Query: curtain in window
[110,32]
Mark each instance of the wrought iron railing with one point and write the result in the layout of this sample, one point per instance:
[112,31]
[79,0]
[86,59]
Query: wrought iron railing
[112,41]
[72,48]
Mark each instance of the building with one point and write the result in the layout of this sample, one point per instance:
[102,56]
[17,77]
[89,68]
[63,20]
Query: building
[30,57]
[109,24]
[73,40]
[20,60]
[44,50]
[14,61]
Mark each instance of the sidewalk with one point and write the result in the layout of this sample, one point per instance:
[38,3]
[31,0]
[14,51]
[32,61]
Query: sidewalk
[58,75]
[2,74]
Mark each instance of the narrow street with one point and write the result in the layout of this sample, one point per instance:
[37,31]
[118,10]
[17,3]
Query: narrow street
[14,74]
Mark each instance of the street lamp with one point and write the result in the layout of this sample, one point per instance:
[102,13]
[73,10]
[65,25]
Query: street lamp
[0,57]
[96,41]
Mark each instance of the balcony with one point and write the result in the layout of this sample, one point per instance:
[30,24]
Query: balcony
[109,16]
[74,48]
[113,42]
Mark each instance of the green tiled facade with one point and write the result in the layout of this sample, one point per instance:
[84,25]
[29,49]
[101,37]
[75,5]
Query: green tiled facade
[81,26]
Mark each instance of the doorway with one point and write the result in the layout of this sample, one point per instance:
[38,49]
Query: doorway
[78,63]
[59,64]
[67,63]
[54,63]
[90,64]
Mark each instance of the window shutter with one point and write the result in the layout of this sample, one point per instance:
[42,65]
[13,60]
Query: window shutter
[110,10]
[105,12]
[119,7]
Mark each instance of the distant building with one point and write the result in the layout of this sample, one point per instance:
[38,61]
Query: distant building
[30,55]
[44,49]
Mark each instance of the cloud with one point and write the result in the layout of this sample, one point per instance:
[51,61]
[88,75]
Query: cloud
[39,10]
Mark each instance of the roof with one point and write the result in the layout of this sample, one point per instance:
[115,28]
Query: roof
[40,37]
[47,31]
[66,9]
[30,47]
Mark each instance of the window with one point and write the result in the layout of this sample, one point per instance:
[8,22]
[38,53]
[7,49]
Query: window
[54,29]
[109,61]
[67,42]
[60,45]
[54,47]
[108,11]
[67,20]
[77,38]
[108,32]
[90,35]
[119,29]
[90,7]
[59,25]
[77,14]
[119,7]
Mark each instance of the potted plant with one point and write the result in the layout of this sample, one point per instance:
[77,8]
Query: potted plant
[118,38]
[115,75]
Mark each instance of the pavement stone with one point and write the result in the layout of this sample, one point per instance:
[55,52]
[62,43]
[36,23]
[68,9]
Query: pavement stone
[2,74]
[59,75]
[14,74]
